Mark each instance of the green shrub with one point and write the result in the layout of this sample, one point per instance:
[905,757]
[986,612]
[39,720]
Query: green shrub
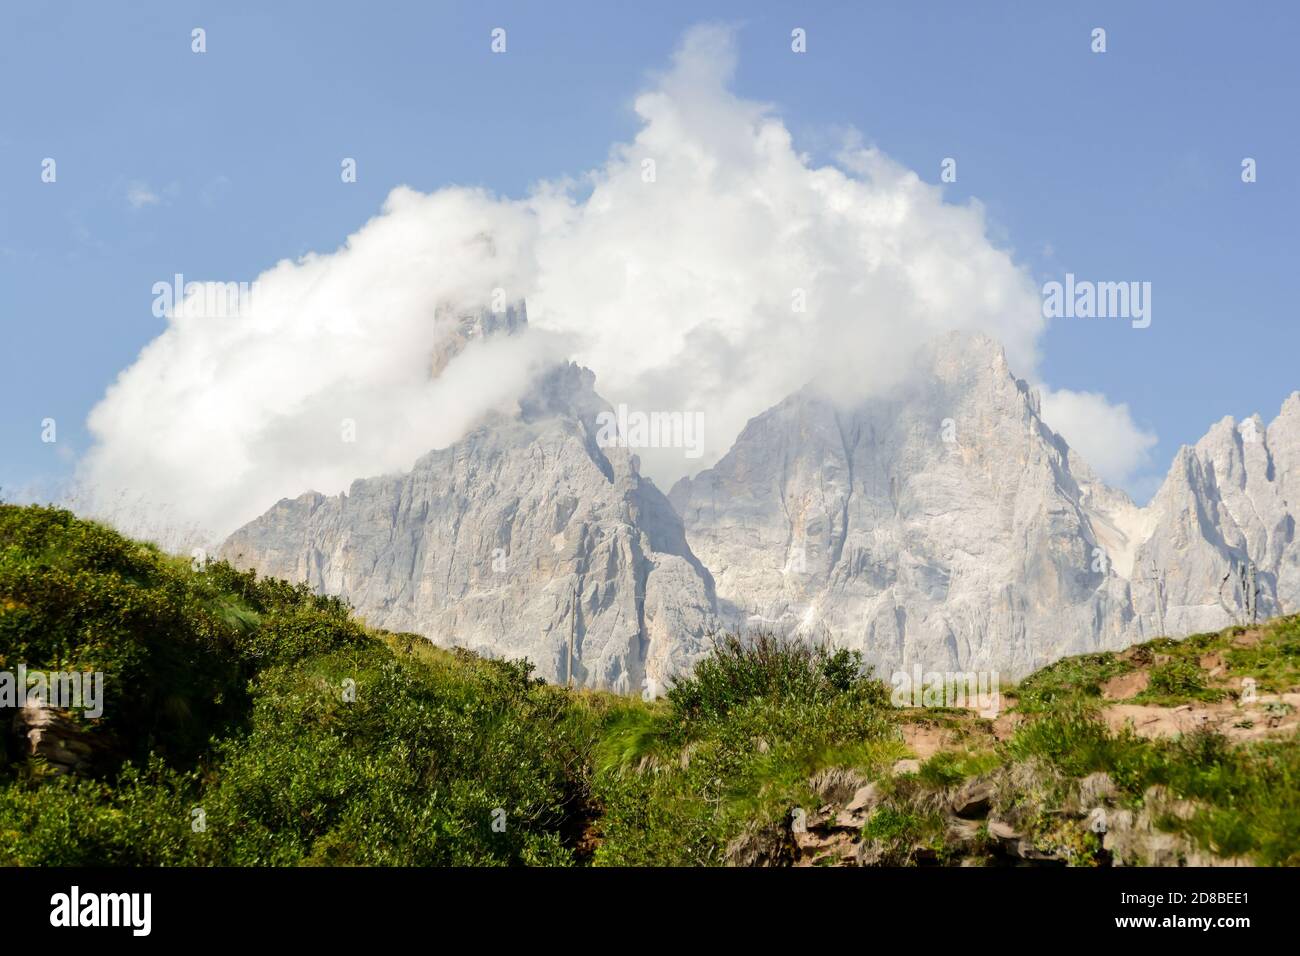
[305,738]
[740,670]
[1177,681]
[735,743]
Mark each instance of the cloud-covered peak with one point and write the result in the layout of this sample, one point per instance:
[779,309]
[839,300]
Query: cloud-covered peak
[706,266]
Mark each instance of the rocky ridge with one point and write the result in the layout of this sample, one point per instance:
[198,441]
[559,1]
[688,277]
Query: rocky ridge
[948,526]
[944,526]
[524,539]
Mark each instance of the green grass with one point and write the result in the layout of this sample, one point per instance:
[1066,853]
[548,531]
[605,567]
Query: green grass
[300,737]
[1247,796]
[1068,681]
[733,744]
[1175,674]
[226,694]
[1178,681]
[949,768]
[1275,661]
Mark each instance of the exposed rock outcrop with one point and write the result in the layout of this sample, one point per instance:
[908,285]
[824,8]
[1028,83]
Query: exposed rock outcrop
[944,526]
[51,735]
[524,539]
[947,526]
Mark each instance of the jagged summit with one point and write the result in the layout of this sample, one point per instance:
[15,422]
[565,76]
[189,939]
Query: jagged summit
[523,539]
[1230,498]
[950,526]
[942,524]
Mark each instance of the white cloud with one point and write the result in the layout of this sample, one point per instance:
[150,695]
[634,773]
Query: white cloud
[678,292]
[139,195]
[1104,434]
[681,290]
[223,414]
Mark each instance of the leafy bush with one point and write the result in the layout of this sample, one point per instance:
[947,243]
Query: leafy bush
[298,736]
[740,670]
[1179,680]
[301,736]
[736,742]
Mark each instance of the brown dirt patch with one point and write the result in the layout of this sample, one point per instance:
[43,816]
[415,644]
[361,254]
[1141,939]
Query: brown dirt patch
[1270,715]
[1248,639]
[1126,686]
[926,740]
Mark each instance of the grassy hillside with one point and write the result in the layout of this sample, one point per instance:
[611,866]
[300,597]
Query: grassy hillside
[249,722]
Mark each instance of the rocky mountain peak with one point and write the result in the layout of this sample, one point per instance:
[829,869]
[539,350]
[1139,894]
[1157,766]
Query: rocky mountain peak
[939,523]
[459,325]
[523,539]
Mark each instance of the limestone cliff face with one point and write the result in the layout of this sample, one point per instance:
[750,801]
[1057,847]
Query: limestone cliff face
[1231,497]
[515,541]
[948,526]
[941,526]
[945,525]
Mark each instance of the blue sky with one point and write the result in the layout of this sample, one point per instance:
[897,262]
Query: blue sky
[1124,165]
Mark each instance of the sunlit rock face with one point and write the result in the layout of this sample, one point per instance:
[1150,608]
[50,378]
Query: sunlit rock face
[948,526]
[520,540]
[943,525]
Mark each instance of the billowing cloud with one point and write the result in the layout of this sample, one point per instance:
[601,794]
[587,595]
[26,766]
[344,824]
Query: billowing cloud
[713,267]
[317,373]
[707,266]
[1104,434]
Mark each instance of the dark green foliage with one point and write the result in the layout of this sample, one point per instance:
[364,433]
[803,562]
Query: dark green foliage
[1179,680]
[177,647]
[78,597]
[409,772]
[766,667]
[302,737]
[305,738]
[141,819]
[732,744]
